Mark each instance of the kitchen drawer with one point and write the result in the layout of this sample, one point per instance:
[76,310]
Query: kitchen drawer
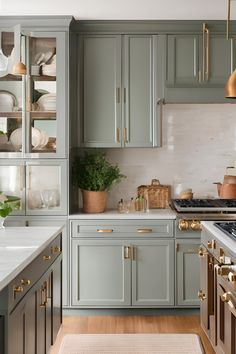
[31,274]
[122,228]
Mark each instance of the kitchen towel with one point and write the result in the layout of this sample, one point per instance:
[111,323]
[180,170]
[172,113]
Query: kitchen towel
[131,344]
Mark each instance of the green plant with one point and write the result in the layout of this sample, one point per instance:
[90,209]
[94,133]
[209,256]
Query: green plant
[91,171]
[8,204]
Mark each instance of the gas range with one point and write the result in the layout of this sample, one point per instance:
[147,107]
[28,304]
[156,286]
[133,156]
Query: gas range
[205,205]
[228,228]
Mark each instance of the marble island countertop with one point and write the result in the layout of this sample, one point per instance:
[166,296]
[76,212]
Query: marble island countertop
[19,246]
[113,214]
[220,236]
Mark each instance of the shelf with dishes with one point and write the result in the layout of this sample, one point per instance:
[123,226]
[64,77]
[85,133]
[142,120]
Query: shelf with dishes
[14,115]
[11,77]
[43,78]
[43,115]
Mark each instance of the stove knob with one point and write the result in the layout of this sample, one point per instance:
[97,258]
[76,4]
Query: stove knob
[232,277]
[183,225]
[211,244]
[196,225]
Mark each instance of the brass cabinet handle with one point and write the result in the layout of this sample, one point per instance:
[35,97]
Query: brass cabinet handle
[118,135]
[211,244]
[202,252]
[17,289]
[105,230]
[55,249]
[223,270]
[125,135]
[205,51]
[118,95]
[42,298]
[144,231]
[25,282]
[201,295]
[133,253]
[46,258]
[127,253]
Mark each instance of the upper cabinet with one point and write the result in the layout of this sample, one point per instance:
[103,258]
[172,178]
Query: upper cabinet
[198,61]
[34,106]
[117,91]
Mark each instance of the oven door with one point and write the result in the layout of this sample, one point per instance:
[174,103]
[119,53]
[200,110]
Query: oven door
[226,313]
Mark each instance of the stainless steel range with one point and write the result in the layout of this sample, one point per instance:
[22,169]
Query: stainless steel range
[190,212]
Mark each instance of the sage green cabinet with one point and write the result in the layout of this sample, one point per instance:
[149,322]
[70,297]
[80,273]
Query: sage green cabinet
[117,77]
[198,66]
[100,273]
[122,263]
[187,272]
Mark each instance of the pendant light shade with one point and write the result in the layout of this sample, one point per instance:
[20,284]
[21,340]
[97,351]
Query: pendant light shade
[230,88]
[19,69]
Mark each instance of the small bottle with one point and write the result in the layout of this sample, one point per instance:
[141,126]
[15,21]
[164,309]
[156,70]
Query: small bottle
[146,202]
[132,205]
[120,206]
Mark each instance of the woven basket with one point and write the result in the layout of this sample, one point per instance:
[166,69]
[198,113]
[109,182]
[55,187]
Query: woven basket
[94,202]
[158,194]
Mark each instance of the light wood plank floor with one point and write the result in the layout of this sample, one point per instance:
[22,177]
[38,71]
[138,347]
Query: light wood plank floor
[132,324]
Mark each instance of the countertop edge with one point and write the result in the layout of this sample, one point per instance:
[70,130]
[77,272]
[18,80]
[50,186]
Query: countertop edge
[31,257]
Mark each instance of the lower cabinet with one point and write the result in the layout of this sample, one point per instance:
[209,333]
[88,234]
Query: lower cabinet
[1,335]
[122,273]
[187,272]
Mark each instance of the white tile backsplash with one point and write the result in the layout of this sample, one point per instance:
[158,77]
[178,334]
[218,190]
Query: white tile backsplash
[198,143]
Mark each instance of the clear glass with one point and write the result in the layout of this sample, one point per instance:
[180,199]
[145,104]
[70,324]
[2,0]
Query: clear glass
[43,95]
[10,98]
[12,182]
[44,187]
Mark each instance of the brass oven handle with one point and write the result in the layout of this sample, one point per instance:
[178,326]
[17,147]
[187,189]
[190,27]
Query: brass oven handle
[144,231]
[105,230]
[223,270]
[201,295]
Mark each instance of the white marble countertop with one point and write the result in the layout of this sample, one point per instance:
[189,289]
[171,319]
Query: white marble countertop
[220,236]
[19,246]
[113,214]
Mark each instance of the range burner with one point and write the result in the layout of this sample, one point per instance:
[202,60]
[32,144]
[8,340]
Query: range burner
[229,228]
[202,205]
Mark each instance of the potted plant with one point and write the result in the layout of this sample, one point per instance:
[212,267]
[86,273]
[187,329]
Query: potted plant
[95,176]
[7,205]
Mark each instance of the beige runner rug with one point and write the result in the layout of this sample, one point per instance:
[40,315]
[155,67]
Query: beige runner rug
[131,344]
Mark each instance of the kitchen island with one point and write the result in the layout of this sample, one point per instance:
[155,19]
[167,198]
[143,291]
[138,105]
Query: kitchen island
[30,288]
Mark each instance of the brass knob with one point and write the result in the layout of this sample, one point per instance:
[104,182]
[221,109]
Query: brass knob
[201,295]
[225,297]
[55,249]
[25,282]
[196,225]
[232,277]
[46,258]
[223,270]
[211,244]
[183,225]
[18,289]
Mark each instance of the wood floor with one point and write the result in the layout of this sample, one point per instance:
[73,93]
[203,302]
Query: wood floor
[132,324]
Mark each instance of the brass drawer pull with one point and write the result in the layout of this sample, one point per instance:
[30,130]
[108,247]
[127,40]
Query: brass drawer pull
[55,249]
[17,289]
[144,231]
[201,295]
[25,282]
[46,258]
[127,252]
[105,230]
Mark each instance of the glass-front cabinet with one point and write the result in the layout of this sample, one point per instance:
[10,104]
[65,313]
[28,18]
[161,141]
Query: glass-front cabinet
[33,107]
[40,185]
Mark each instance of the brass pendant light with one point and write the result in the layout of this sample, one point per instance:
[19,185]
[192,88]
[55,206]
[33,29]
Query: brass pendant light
[230,88]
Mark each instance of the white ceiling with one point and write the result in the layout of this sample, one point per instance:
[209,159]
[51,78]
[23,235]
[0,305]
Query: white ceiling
[121,9]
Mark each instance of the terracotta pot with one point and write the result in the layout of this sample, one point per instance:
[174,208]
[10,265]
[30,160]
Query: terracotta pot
[94,202]
[226,190]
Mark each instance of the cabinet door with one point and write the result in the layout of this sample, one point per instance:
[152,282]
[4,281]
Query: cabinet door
[138,77]
[100,273]
[187,272]
[183,60]
[2,332]
[47,94]
[46,187]
[100,60]
[56,296]
[153,273]
[219,54]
